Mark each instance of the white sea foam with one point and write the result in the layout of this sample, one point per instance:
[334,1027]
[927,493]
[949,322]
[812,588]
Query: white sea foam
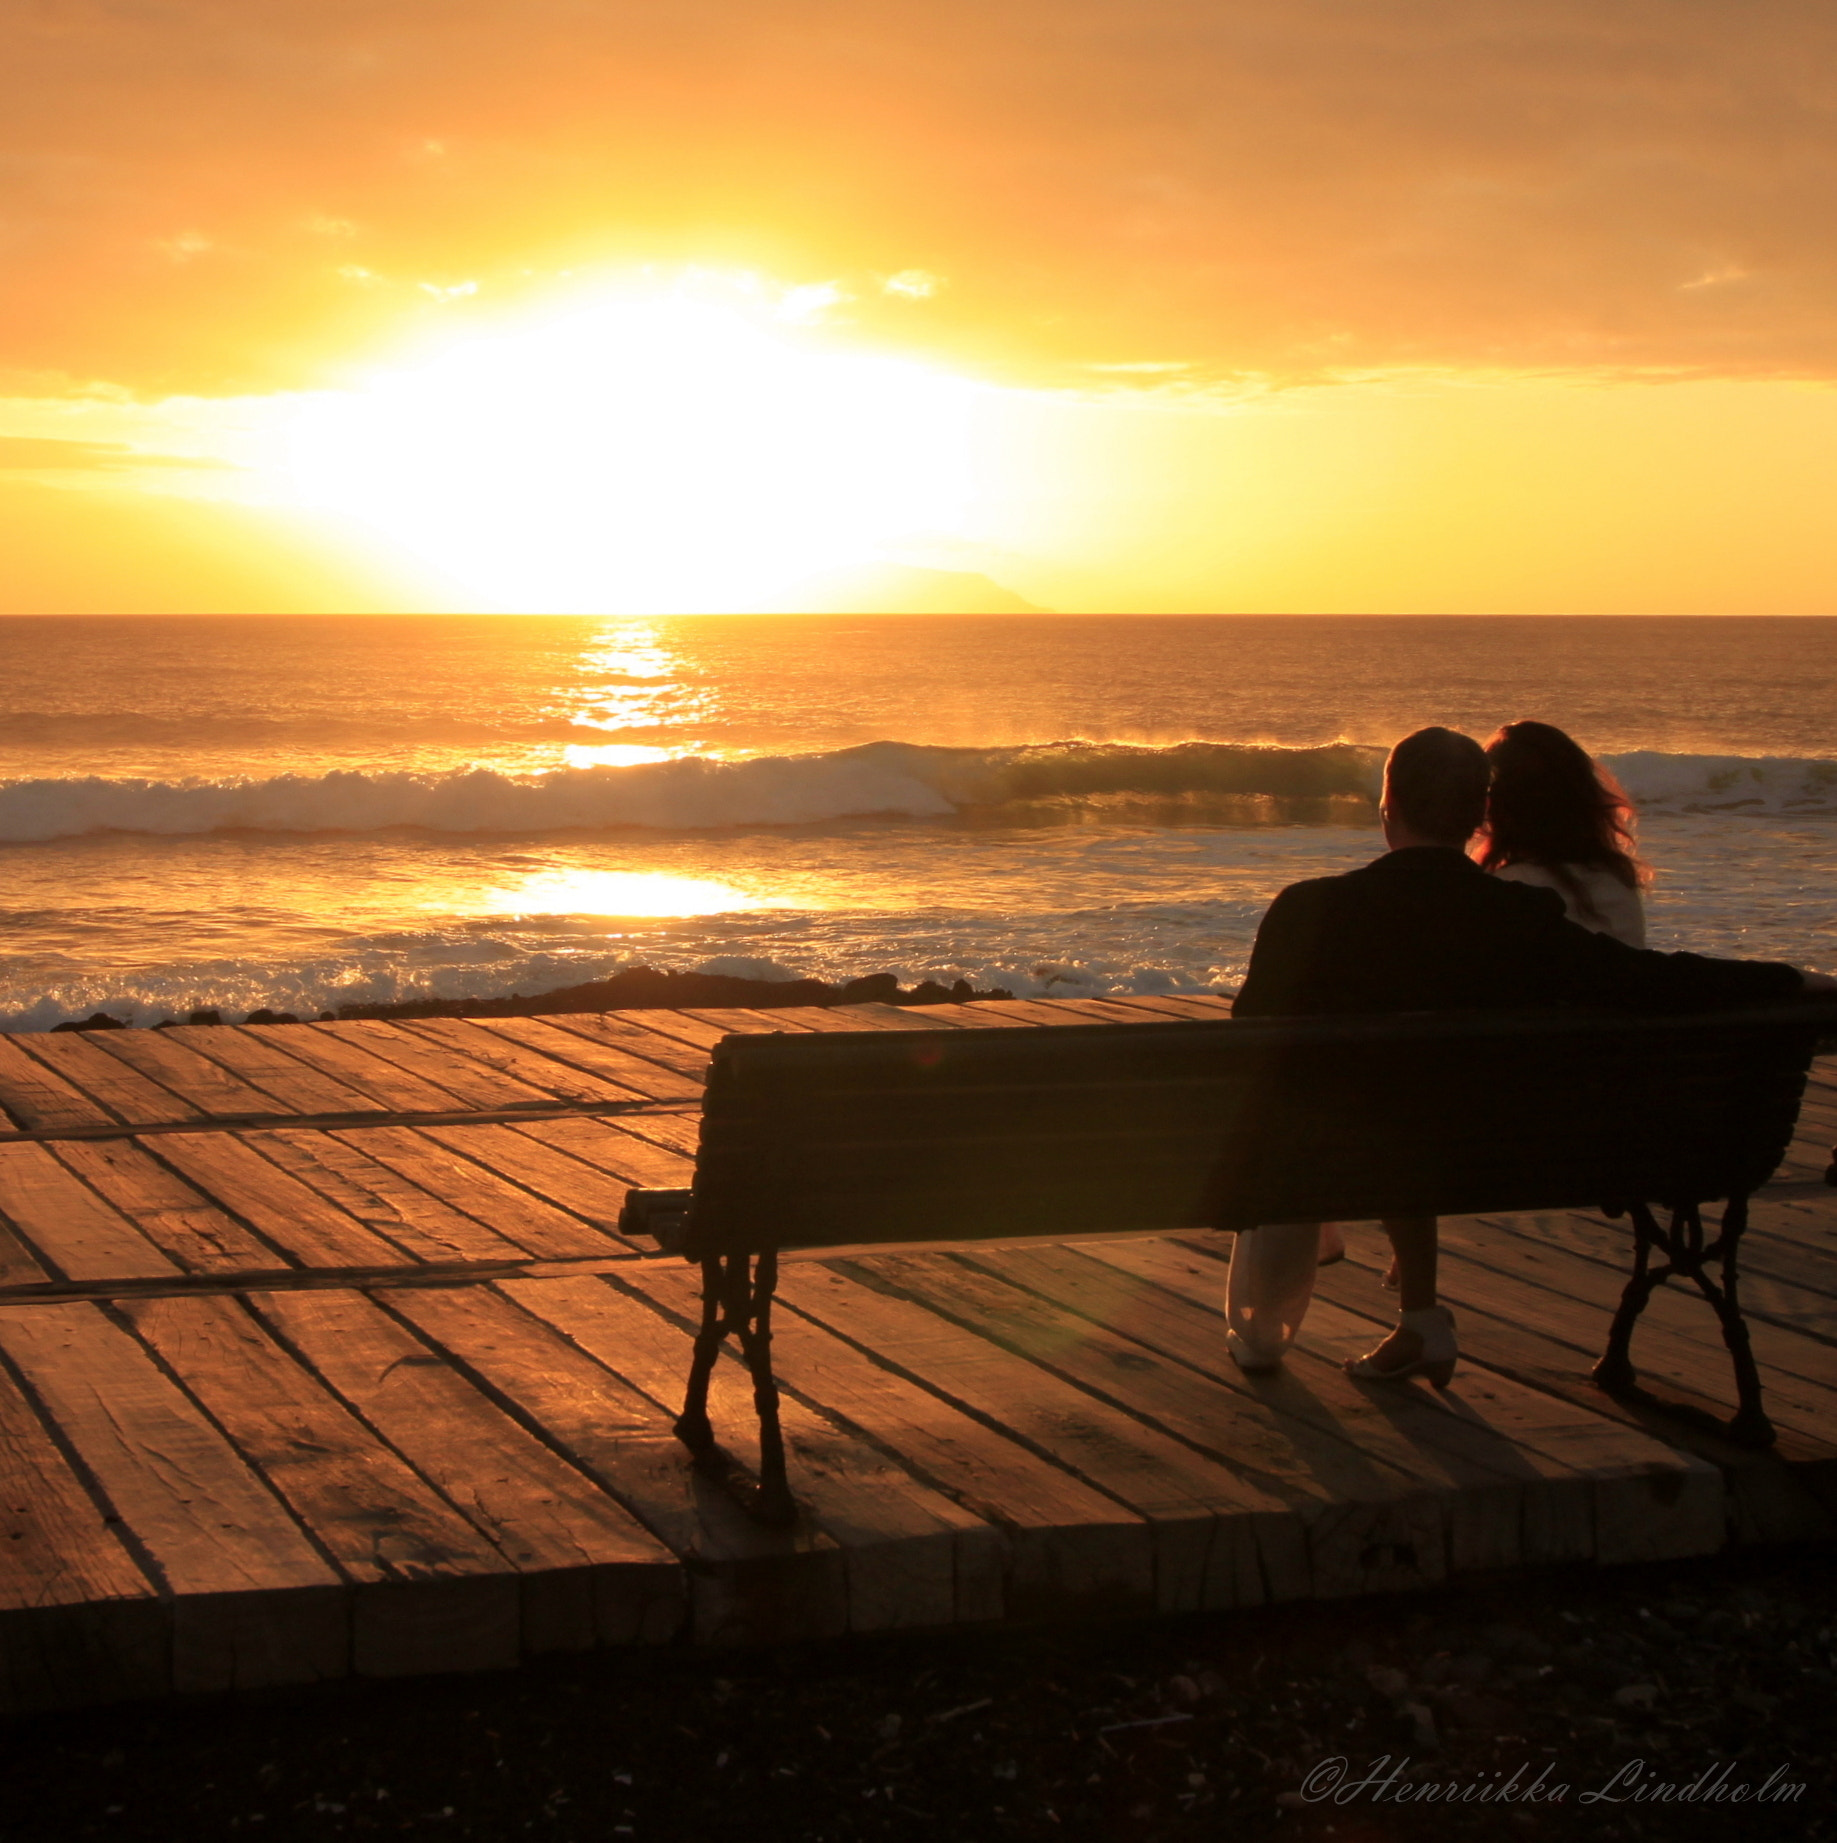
[369,973]
[1727,783]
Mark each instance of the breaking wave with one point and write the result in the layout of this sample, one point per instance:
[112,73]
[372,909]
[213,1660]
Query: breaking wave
[1192,783]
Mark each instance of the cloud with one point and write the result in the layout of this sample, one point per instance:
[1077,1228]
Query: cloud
[1282,187]
[53,454]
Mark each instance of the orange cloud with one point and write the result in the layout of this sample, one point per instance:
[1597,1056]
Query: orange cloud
[1287,187]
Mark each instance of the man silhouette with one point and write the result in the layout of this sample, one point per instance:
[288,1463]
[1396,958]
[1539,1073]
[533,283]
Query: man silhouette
[1424,928]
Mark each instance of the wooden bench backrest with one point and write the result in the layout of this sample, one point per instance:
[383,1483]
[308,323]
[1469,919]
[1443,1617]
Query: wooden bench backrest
[821,1141]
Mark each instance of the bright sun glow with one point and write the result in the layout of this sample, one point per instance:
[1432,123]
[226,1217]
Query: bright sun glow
[668,451]
[619,893]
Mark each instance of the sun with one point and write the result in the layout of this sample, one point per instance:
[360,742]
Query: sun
[641,451]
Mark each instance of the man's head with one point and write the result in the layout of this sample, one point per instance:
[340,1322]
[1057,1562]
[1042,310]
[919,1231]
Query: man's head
[1434,789]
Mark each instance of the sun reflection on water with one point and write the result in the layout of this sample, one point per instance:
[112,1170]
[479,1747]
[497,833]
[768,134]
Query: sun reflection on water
[614,754]
[628,678]
[619,893]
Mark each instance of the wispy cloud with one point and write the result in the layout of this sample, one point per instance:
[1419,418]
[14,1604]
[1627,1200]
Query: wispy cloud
[1284,186]
[52,454]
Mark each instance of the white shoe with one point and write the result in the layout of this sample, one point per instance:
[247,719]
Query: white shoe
[1433,1328]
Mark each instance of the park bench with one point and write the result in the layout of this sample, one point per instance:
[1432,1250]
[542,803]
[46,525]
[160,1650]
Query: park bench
[852,1139]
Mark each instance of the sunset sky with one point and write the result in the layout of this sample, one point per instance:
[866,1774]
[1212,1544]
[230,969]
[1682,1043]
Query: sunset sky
[1265,305]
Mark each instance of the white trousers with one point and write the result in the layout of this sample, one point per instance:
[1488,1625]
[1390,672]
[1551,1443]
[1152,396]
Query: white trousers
[1270,1284]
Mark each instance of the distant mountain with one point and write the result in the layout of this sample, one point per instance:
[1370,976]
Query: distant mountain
[902,588]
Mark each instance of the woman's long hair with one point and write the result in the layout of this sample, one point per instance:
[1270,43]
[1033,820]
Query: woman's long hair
[1552,806]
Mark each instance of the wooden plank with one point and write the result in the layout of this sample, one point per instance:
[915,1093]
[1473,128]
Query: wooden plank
[37,1100]
[264,1063]
[1782,1281]
[180,1221]
[206,1085]
[441,1170]
[911,1557]
[1004,1016]
[18,1265]
[680,1133]
[1794,1240]
[621,1148]
[632,1073]
[1317,1441]
[324,1048]
[618,1031]
[79,1622]
[745,1584]
[1218,1541]
[71,1229]
[590,1572]
[1806,1367]
[746,1021]
[504,1053]
[1788,1494]
[381,1198]
[1207,1006]
[308,1230]
[1590,1485]
[1072,1551]
[683,1027]
[824,1018]
[1044,1011]
[471,1082]
[1697,1373]
[1104,1011]
[255,1602]
[583,1189]
[431,1593]
[124,1091]
[1112,1011]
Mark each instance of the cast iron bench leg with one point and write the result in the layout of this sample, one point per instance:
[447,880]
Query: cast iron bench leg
[737,1299]
[1615,1374]
[693,1428]
[1682,1243]
[1750,1427]
[774,1505]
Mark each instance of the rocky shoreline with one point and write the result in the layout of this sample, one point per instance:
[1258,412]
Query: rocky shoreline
[637,987]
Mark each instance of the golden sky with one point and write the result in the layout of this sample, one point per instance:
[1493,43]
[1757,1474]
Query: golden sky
[1507,305]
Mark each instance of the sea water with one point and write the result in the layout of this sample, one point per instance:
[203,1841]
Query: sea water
[299,813]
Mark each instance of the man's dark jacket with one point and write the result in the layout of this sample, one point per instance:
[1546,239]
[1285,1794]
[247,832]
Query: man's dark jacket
[1426,929]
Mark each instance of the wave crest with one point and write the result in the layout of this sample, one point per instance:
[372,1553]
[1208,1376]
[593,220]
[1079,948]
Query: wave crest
[1192,782]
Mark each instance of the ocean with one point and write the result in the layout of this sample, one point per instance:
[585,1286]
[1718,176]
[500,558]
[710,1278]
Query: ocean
[300,813]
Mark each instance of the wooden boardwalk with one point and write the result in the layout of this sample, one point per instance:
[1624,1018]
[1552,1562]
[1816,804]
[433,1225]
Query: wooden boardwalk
[320,1354]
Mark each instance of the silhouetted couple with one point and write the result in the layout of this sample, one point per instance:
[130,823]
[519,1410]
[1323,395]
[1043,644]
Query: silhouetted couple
[1546,912]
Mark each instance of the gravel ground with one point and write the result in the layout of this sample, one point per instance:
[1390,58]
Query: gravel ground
[1717,1674]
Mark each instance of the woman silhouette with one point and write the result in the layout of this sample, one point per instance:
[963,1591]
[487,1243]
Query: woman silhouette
[1556,818]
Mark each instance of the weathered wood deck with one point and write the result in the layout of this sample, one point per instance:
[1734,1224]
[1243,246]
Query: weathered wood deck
[320,1354]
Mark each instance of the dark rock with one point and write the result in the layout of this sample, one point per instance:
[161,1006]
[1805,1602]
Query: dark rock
[653,987]
[265,1016]
[97,1020]
[873,989]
